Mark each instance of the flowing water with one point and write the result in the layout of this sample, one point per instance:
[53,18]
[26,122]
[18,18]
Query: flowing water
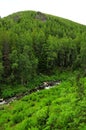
[45,85]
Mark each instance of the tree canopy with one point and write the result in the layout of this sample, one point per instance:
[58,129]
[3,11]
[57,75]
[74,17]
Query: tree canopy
[33,42]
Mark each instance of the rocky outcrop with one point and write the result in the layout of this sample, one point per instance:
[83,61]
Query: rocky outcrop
[41,16]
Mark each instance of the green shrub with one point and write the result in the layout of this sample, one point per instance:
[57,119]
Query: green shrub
[18,117]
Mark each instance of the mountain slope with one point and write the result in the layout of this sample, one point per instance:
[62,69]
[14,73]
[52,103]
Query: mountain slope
[36,47]
[33,42]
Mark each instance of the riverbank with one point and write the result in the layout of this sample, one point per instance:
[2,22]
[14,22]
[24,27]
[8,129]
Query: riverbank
[44,85]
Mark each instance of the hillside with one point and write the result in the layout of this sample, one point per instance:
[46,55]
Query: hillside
[37,48]
[33,42]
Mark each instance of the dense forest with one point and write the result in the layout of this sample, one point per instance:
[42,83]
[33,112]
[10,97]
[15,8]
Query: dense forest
[34,48]
[32,43]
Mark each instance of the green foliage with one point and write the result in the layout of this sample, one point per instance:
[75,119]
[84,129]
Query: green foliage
[33,42]
[35,47]
[61,107]
[9,91]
